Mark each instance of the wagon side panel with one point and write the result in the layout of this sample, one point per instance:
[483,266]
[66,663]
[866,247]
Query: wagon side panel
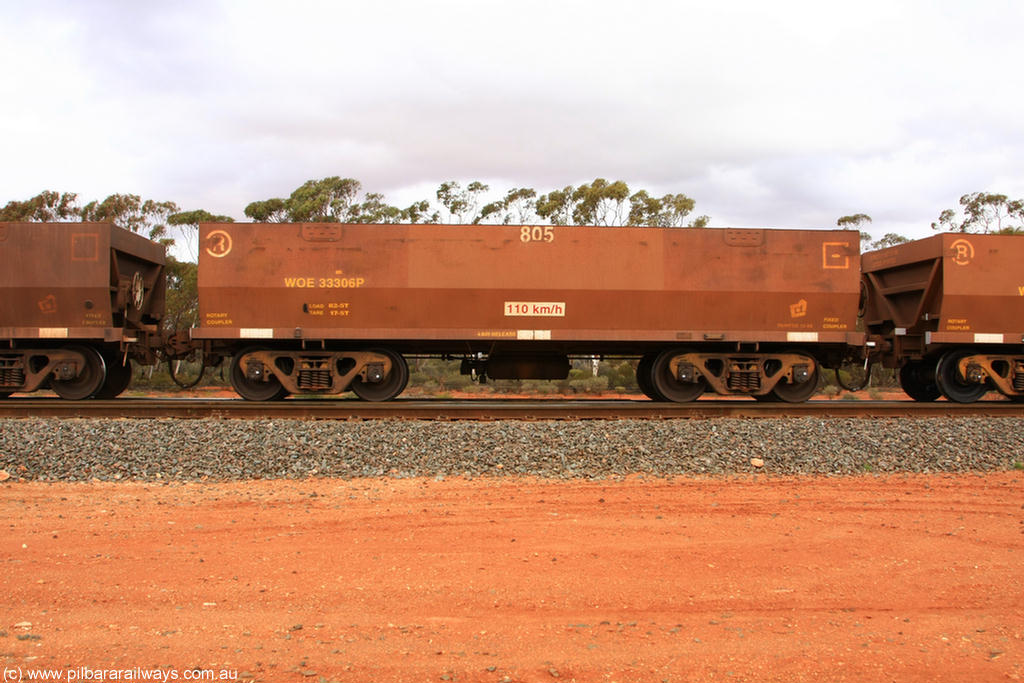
[465,283]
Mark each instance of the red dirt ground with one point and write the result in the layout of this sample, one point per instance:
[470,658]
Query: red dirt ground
[902,578]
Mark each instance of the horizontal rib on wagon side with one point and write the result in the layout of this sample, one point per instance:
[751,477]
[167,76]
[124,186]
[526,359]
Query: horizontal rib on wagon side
[331,307]
[78,301]
[948,311]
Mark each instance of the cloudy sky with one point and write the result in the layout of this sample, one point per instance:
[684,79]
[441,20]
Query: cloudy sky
[781,114]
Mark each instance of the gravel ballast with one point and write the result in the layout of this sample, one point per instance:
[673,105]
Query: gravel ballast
[191,450]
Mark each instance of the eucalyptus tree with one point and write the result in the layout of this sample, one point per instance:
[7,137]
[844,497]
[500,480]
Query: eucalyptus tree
[669,211]
[854,221]
[461,203]
[130,211]
[601,203]
[517,207]
[984,212]
[325,200]
[46,206]
[557,206]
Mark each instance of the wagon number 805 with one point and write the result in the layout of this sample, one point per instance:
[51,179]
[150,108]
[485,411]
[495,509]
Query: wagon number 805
[537,233]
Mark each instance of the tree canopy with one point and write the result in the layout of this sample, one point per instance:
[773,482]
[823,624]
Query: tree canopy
[890,239]
[611,203]
[132,212]
[337,199]
[984,212]
[854,221]
[518,207]
[600,202]
[460,203]
[669,211]
[334,200]
[128,211]
[45,206]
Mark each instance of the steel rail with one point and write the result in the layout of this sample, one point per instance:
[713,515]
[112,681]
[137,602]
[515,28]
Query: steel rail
[477,409]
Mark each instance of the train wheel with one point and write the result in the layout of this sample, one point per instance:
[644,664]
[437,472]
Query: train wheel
[952,384]
[918,381]
[119,376]
[390,386]
[797,392]
[89,380]
[254,389]
[643,377]
[669,387]
[4,394]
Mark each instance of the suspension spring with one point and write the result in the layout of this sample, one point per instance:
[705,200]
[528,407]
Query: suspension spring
[314,380]
[745,378]
[14,377]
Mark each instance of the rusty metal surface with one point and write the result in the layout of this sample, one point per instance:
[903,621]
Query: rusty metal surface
[956,288]
[313,373]
[521,284]
[68,280]
[491,409]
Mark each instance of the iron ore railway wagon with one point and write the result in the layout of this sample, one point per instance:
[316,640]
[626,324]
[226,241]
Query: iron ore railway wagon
[329,308]
[948,311]
[78,302]
[332,307]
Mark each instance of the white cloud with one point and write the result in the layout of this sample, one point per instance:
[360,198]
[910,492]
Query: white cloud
[784,114]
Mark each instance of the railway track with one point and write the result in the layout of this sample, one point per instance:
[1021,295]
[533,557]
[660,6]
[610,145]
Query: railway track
[513,409]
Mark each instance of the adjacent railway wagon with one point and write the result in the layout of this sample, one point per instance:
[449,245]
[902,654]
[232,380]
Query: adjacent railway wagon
[948,311]
[333,307]
[77,302]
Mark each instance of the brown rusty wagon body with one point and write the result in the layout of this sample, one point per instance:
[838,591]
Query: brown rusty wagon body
[77,301]
[948,311]
[329,307]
